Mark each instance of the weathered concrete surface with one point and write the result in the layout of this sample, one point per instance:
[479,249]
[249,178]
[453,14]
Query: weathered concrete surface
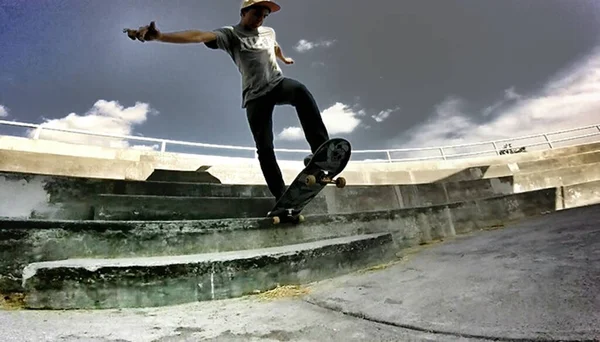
[25,241]
[539,279]
[159,281]
[530,280]
[581,194]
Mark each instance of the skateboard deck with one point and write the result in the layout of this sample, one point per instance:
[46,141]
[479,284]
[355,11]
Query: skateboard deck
[328,161]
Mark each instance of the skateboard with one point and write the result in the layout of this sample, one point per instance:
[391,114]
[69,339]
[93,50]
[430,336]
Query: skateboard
[328,161]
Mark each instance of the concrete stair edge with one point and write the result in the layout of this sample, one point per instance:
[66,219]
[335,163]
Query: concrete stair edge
[189,278]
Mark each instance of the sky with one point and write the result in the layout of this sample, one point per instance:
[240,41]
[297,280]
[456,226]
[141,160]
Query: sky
[385,74]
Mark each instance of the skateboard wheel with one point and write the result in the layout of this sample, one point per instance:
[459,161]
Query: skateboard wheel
[311,180]
[340,182]
[276,220]
[300,218]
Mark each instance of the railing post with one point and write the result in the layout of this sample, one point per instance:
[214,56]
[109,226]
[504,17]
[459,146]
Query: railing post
[38,130]
[163,146]
[389,156]
[442,152]
[548,140]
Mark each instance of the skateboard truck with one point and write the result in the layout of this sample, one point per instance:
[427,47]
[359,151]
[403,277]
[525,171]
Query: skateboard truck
[294,218]
[339,182]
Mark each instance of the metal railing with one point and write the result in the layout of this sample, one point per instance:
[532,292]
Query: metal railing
[443,150]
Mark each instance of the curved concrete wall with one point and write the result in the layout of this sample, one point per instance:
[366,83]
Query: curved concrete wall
[126,166]
[190,162]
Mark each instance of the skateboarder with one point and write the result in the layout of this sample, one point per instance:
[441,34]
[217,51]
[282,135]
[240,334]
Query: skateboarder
[254,49]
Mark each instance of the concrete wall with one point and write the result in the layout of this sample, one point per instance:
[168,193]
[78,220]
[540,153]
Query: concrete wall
[63,165]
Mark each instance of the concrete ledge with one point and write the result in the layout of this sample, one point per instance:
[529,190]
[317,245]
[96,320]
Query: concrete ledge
[149,282]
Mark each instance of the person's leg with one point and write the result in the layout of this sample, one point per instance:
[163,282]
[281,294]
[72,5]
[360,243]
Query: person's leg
[260,120]
[292,92]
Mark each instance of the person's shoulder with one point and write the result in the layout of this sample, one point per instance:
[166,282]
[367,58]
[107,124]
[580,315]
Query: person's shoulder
[266,29]
[226,28]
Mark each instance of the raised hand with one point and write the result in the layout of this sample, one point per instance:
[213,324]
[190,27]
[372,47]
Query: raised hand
[144,33]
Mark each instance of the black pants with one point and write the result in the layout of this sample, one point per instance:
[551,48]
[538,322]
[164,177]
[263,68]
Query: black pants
[260,118]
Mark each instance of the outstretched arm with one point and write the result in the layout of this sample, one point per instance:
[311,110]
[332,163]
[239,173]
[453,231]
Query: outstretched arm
[279,54]
[150,33]
[189,36]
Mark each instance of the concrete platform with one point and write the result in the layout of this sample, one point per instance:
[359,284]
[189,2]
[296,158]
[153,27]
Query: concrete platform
[535,281]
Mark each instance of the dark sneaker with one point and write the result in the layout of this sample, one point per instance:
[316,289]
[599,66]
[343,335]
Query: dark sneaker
[307,159]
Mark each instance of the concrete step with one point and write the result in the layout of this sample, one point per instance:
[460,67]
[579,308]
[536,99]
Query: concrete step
[144,208]
[26,241]
[66,198]
[159,281]
[563,176]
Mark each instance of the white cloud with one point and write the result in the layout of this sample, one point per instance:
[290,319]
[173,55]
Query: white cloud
[569,100]
[291,133]
[3,111]
[339,118]
[304,45]
[104,117]
[384,114]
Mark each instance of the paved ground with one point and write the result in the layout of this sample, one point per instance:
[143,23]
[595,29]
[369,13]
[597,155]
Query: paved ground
[539,280]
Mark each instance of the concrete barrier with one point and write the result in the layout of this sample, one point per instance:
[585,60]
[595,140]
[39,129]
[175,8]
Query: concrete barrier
[246,170]
[252,175]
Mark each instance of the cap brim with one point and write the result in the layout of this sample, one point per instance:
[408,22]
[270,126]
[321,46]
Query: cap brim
[271,5]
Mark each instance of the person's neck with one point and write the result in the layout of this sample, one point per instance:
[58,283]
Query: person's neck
[245,27]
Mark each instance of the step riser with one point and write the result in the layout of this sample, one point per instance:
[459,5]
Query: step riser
[25,242]
[182,208]
[151,286]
